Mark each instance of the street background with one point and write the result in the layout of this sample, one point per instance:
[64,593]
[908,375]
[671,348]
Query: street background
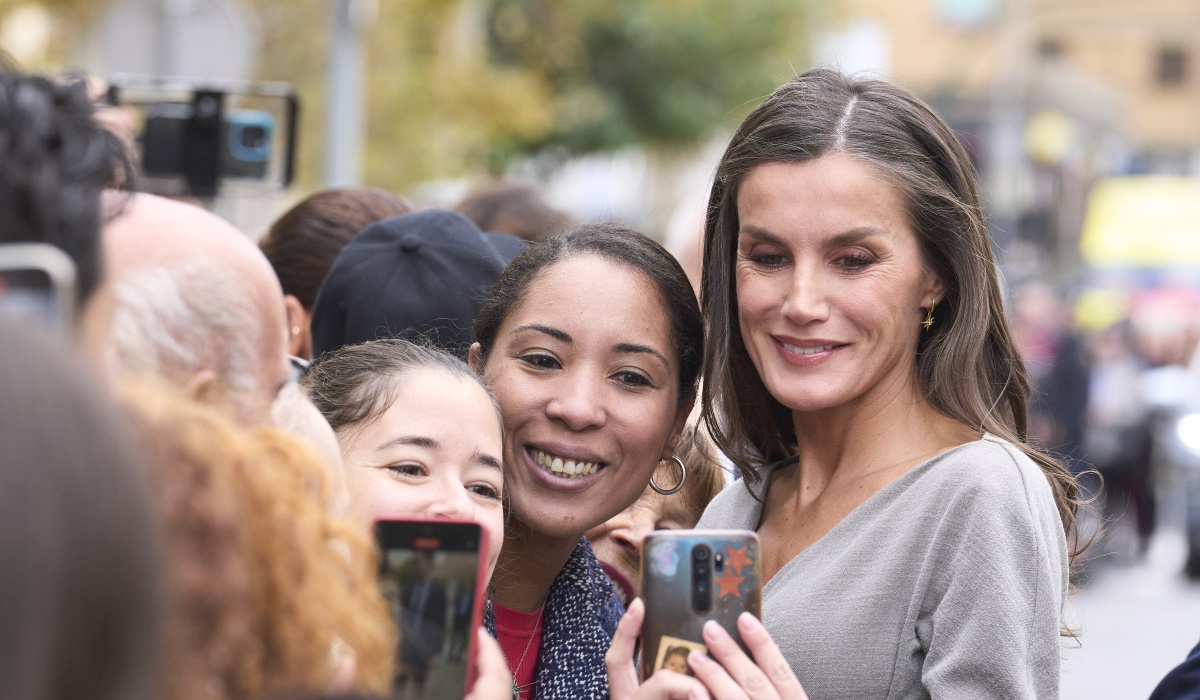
[1082,118]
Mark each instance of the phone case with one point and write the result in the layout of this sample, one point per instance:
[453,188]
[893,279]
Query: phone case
[401,534]
[670,589]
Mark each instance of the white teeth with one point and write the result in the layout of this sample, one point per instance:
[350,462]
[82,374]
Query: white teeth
[807,351]
[563,467]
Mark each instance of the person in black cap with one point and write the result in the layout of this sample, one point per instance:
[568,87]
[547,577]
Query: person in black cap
[417,275]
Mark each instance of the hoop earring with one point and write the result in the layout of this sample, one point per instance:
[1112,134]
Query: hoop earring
[682,478]
[928,322]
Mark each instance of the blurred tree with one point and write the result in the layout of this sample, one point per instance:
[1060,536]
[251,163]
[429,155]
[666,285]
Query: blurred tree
[463,86]
[460,86]
[661,73]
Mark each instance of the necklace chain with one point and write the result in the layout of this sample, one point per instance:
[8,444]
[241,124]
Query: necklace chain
[516,671]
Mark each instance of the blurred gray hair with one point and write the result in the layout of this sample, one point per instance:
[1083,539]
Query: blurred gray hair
[174,322]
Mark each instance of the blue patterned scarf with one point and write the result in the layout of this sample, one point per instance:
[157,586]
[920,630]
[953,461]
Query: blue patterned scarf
[581,616]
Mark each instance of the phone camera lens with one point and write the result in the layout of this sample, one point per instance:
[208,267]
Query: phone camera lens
[254,136]
[701,553]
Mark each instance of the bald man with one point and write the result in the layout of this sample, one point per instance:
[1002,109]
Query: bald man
[194,302]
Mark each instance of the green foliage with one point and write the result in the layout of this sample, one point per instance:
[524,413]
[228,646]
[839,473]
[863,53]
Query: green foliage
[660,73]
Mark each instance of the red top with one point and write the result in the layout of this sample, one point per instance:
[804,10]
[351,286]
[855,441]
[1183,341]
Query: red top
[520,635]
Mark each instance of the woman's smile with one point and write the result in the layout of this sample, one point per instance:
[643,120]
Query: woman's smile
[806,353]
[583,368]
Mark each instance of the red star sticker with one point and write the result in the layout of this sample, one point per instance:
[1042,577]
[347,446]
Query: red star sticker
[729,584]
[737,558]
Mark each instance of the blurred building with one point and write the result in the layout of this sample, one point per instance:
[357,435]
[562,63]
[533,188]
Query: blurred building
[1049,96]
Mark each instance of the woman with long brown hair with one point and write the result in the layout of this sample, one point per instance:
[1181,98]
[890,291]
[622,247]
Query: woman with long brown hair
[862,376]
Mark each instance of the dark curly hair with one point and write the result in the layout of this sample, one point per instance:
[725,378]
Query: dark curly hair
[56,159]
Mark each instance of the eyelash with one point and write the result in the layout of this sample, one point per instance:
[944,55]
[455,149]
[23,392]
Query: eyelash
[400,469]
[488,491]
[851,261]
[633,378]
[541,361]
[855,261]
[628,377]
[482,490]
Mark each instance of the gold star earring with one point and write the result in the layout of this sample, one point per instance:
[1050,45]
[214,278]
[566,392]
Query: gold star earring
[928,322]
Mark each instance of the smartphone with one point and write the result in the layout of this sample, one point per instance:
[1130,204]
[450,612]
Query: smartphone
[210,138]
[37,283]
[688,578]
[432,575]
[244,141]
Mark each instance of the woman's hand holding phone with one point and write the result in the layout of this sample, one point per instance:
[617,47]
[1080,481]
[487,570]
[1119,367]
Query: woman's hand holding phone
[732,676]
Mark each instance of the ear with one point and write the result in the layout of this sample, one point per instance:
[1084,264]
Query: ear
[200,385]
[299,332]
[681,418]
[475,358]
[935,289]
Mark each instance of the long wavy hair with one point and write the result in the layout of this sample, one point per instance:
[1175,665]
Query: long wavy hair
[968,364]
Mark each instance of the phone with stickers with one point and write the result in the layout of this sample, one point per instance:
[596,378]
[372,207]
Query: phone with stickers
[688,578]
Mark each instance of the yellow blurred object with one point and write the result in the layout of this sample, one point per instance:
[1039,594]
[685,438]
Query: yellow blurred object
[1148,221]
[1049,136]
[1097,309]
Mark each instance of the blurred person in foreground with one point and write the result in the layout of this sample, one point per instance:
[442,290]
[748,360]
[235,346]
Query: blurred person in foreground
[618,542]
[196,304]
[268,592]
[420,276]
[303,243]
[513,208]
[81,578]
[56,159]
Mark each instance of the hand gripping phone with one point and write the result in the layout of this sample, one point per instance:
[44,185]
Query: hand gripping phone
[688,578]
[432,573]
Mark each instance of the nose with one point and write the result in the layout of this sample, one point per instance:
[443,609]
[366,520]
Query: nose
[807,300]
[576,402]
[451,502]
[631,533]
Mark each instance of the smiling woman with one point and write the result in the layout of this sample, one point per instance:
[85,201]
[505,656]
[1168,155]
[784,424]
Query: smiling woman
[419,434]
[592,342]
[862,376]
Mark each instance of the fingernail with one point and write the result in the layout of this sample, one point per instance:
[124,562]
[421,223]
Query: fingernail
[746,621]
[695,658]
[714,630]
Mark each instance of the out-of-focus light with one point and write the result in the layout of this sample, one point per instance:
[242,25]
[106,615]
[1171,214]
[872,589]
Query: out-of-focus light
[1187,429]
[26,33]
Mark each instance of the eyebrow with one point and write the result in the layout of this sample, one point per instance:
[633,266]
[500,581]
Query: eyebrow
[630,347]
[852,236]
[552,332]
[415,440]
[487,460]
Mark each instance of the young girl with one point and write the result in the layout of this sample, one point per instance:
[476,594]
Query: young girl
[420,438]
[419,434]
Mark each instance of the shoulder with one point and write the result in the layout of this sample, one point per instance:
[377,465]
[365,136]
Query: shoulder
[739,504]
[990,468]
